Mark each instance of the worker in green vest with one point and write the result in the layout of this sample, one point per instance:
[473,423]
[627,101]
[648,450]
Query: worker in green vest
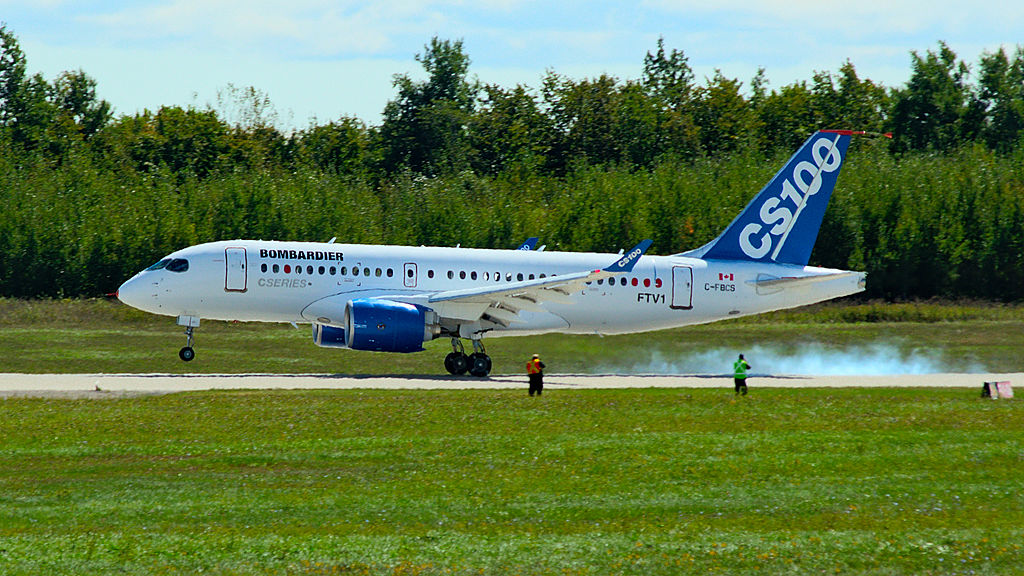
[739,369]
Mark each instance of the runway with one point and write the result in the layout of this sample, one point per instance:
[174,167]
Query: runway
[119,385]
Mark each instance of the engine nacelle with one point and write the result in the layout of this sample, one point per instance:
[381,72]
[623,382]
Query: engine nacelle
[388,326]
[329,336]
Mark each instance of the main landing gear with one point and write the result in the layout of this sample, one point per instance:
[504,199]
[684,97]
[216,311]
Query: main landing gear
[477,364]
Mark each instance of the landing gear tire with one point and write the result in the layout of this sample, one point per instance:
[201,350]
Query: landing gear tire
[479,364]
[187,353]
[456,363]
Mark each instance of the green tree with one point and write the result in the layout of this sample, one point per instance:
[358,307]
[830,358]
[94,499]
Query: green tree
[599,121]
[185,141]
[787,115]
[668,77]
[582,115]
[25,110]
[724,116]
[74,94]
[509,130]
[932,112]
[860,104]
[1001,95]
[425,127]
[12,75]
[668,81]
[342,147]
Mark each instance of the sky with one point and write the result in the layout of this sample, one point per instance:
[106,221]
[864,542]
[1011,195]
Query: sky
[320,60]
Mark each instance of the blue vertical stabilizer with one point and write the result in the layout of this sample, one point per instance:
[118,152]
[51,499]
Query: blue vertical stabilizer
[781,223]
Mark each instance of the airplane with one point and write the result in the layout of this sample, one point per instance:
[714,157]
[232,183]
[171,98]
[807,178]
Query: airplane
[396,298]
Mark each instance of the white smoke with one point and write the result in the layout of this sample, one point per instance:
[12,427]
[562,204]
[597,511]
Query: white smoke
[809,359]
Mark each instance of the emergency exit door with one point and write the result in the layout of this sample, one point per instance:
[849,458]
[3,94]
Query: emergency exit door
[682,287]
[234,272]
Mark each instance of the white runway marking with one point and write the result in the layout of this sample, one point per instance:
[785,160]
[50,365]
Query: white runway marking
[105,385]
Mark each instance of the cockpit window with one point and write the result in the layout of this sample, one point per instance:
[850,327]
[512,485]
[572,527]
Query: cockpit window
[177,265]
[159,265]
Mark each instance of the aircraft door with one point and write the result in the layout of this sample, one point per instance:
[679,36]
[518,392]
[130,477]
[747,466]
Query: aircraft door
[682,288]
[409,275]
[234,271]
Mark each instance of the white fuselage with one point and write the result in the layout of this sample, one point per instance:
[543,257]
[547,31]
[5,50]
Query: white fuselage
[266,281]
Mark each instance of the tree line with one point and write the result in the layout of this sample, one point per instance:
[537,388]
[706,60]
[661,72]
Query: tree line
[587,164]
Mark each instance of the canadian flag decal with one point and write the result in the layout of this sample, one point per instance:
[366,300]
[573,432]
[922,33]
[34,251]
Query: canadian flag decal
[725,277]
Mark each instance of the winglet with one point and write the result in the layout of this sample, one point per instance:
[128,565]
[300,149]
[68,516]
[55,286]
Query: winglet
[626,263]
[529,244]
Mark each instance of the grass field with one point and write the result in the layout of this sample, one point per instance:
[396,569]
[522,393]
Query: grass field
[101,336]
[846,481]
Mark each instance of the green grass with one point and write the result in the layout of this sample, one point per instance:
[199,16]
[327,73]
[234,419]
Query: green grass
[906,481]
[101,336]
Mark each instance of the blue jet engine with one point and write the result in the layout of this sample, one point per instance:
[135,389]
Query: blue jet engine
[380,326]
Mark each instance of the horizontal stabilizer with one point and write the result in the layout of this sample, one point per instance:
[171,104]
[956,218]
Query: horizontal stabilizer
[775,282]
[768,284]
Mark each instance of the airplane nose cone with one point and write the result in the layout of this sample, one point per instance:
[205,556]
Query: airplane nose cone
[133,293]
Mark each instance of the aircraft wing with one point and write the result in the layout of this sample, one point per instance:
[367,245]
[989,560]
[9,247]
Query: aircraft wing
[502,303]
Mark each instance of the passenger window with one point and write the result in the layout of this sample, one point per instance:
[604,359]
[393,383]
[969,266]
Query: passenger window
[487,276]
[508,277]
[451,275]
[177,265]
[497,276]
[600,281]
[430,273]
[472,275]
[531,276]
[321,270]
[298,269]
[391,272]
[344,270]
[276,268]
[333,270]
[407,272]
[462,274]
[366,272]
[378,272]
[263,268]
[287,269]
[623,281]
[543,276]
[519,277]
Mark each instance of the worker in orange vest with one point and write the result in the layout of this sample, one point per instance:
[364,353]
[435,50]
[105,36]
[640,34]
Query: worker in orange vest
[535,370]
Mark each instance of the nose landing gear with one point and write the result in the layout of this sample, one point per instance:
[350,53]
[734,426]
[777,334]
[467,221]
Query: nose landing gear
[187,353]
[190,323]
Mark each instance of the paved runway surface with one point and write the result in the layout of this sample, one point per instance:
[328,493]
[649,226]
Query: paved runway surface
[108,385]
